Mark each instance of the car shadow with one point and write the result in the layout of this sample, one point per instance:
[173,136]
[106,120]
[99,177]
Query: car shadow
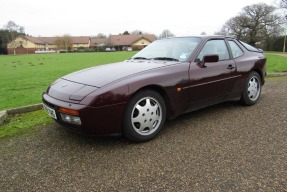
[196,120]
[60,132]
[170,127]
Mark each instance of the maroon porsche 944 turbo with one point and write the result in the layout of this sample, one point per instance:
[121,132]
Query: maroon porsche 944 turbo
[164,80]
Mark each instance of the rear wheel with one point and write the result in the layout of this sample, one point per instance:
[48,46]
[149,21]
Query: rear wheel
[144,116]
[252,89]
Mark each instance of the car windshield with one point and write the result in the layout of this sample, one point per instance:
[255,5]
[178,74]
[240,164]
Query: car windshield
[173,49]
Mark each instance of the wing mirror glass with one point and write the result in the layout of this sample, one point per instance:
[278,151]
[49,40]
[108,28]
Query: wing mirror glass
[207,59]
[210,58]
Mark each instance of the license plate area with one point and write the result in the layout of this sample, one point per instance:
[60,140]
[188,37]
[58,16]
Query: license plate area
[51,112]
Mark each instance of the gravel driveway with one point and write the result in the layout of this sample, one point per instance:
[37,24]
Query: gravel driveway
[226,147]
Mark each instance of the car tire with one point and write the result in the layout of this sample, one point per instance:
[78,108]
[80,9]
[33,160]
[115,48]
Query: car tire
[252,89]
[144,116]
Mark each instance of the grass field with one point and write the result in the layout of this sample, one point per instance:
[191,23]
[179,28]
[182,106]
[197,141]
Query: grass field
[276,63]
[23,78]
[24,123]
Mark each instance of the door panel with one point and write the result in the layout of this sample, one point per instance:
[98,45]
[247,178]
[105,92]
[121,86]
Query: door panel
[214,82]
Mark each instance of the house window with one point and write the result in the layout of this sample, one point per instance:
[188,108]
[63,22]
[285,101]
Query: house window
[142,42]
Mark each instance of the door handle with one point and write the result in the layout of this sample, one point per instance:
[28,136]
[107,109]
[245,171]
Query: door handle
[230,67]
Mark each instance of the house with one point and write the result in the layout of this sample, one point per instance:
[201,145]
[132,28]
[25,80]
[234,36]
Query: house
[122,42]
[29,44]
[137,42]
[25,45]
[99,42]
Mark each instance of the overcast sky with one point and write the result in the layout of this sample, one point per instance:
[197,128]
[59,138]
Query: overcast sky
[90,17]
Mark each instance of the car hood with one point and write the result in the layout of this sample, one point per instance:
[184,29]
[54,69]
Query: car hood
[76,86]
[105,74]
[69,91]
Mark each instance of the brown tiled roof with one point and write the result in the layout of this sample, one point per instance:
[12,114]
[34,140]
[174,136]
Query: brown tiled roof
[98,41]
[47,40]
[127,40]
[80,39]
[34,39]
[51,40]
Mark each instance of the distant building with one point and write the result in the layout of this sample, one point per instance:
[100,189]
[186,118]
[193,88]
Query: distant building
[30,45]
[122,42]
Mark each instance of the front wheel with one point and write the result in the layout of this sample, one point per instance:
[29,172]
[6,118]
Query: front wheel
[252,89]
[144,116]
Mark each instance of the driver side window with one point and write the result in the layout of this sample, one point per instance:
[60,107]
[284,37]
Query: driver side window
[215,47]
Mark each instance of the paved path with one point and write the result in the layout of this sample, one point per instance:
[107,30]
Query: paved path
[280,54]
[226,147]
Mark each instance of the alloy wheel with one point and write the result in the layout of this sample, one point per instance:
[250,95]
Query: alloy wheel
[146,116]
[253,88]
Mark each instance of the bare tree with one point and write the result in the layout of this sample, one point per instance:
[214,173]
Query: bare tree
[165,34]
[14,31]
[126,33]
[256,23]
[137,32]
[64,42]
[233,27]
[12,26]
[283,4]
[16,43]
[100,35]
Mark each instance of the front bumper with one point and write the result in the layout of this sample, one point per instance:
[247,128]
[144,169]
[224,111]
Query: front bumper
[104,120]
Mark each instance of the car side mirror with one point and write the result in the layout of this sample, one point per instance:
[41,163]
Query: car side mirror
[210,58]
[207,59]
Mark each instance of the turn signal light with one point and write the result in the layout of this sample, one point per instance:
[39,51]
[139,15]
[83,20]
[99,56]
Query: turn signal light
[68,111]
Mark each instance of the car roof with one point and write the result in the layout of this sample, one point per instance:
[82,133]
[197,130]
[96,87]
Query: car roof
[205,36]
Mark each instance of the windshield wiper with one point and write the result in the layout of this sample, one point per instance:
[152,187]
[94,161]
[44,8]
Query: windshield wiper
[139,58]
[165,58]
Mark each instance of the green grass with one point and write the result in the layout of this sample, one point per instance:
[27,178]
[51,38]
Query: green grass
[276,63]
[24,123]
[23,78]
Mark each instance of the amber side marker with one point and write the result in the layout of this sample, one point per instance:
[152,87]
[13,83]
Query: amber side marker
[179,89]
[68,111]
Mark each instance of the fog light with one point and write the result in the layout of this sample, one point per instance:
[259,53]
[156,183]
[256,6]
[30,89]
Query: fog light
[71,119]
